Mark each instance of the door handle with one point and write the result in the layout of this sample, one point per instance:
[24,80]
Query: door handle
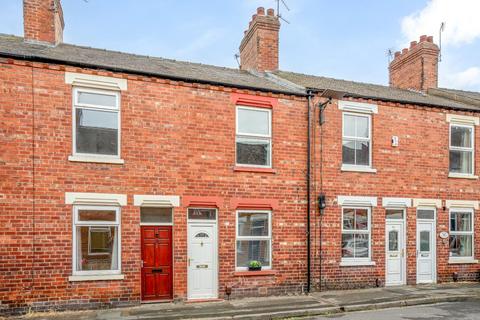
[189,260]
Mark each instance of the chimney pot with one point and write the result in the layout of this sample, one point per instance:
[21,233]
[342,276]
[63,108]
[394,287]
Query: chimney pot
[397,54]
[413,44]
[261,11]
[423,38]
[271,12]
[404,50]
[430,39]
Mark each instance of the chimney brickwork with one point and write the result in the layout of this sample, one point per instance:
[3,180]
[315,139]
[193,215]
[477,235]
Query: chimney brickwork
[416,67]
[259,47]
[43,21]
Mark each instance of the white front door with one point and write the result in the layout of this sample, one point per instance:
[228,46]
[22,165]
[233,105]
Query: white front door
[395,253]
[202,260]
[426,251]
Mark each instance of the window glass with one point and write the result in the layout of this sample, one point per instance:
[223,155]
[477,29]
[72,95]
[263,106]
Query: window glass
[461,221]
[356,140]
[461,233]
[249,250]
[253,121]
[461,161]
[461,245]
[96,215]
[202,214]
[425,214]
[253,238]
[393,240]
[425,241]
[253,224]
[96,132]
[97,99]
[253,151]
[155,215]
[355,233]
[461,137]
[96,240]
[394,214]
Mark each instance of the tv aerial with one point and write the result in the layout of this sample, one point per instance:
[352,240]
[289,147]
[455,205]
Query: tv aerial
[279,15]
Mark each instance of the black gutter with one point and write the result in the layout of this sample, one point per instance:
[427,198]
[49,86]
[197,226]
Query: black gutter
[310,95]
[142,73]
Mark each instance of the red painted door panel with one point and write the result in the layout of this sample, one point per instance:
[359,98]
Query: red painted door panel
[157,270]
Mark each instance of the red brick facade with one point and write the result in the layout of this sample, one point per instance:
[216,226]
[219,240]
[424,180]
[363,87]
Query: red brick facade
[179,138]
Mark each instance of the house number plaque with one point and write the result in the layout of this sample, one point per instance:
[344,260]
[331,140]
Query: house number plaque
[443,235]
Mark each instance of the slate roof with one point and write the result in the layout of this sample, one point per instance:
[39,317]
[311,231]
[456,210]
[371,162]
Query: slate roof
[278,82]
[124,62]
[374,91]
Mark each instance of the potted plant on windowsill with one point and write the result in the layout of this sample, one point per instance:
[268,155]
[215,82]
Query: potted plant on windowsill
[254,265]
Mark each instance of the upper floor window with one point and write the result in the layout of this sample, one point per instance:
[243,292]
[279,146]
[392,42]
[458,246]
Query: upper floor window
[254,137]
[356,142]
[461,149]
[96,118]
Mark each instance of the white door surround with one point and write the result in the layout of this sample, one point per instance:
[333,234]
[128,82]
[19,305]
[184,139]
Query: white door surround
[202,261]
[426,246]
[395,264]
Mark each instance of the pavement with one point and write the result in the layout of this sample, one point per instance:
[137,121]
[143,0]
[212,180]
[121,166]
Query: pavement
[328,303]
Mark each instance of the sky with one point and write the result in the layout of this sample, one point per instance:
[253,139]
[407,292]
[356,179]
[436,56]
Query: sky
[345,39]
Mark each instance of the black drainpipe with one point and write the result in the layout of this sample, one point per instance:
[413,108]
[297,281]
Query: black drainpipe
[309,93]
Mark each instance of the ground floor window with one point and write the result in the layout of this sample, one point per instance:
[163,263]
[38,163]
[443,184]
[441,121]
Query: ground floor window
[96,240]
[253,238]
[355,234]
[461,233]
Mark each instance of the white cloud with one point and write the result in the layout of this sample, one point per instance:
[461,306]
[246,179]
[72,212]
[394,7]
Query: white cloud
[468,79]
[461,18]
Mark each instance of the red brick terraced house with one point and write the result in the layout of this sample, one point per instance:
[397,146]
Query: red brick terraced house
[129,179]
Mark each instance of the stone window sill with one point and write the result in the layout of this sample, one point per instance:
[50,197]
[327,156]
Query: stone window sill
[96,277]
[462,261]
[93,159]
[254,169]
[346,263]
[347,168]
[462,176]
[255,273]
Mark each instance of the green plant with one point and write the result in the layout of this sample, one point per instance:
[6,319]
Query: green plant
[255,264]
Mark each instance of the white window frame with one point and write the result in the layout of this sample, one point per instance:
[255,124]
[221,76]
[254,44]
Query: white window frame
[460,233]
[77,156]
[77,223]
[253,136]
[354,260]
[453,148]
[90,230]
[357,167]
[247,238]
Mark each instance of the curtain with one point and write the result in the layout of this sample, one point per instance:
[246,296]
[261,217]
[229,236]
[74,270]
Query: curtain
[79,248]
[114,264]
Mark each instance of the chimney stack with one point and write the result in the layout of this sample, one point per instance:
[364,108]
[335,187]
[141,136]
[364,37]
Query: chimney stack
[416,67]
[43,21]
[259,47]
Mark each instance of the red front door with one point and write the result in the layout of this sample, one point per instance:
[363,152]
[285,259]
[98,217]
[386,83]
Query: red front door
[157,263]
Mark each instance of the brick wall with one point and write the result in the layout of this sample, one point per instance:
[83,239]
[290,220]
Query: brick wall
[177,138]
[417,168]
[43,21]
